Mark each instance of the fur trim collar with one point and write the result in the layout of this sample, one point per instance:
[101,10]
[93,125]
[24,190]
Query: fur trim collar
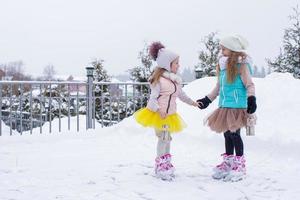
[172,76]
[223,61]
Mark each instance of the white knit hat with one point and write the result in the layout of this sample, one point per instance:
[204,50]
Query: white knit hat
[165,57]
[235,43]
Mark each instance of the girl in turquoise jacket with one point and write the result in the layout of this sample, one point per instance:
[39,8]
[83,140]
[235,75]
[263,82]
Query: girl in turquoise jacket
[236,92]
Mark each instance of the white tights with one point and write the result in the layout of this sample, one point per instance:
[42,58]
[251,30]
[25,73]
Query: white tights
[163,144]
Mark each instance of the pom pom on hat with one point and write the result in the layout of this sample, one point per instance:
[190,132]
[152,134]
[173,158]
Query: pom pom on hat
[154,48]
[162,56]
[235,43]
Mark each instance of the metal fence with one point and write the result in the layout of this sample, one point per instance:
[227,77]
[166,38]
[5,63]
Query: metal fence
[26,105]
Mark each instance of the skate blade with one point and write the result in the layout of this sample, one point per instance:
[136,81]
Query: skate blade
[233,178]
[219,176]
[236,179]
[166,178]
[170,179]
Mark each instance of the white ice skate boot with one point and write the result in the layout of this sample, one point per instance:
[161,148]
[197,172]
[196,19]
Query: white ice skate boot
[223,169]
[163,168]
[238,170]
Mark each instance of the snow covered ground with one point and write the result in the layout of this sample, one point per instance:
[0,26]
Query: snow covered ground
[116,163]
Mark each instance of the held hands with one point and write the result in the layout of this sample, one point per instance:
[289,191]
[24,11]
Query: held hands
[251,104]
[195,104]
[200,103]
[204,102]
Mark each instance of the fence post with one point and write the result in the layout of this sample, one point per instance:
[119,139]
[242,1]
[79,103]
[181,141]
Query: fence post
[89,97]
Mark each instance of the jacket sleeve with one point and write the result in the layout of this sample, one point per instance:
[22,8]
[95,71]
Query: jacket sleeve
[153,102]
[247,80]
[184,97]
[215,92]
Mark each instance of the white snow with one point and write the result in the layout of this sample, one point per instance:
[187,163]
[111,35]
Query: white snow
[116,162]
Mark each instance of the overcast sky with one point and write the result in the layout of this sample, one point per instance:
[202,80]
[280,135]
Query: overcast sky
[70,33]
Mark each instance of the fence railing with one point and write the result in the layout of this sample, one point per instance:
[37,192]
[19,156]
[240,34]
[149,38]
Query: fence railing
[26,105]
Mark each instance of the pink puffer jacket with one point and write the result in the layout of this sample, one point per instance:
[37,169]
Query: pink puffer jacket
[164,93]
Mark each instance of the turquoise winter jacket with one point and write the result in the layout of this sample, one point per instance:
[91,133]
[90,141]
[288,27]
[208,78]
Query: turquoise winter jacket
[232,95]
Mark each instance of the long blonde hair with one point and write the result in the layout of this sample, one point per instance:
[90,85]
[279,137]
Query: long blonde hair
[232,68]
[157,73]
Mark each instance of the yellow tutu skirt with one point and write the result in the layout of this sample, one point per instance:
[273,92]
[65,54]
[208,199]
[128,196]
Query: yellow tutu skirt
[148,118]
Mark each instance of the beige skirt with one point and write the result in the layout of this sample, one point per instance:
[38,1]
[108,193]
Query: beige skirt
[224,119]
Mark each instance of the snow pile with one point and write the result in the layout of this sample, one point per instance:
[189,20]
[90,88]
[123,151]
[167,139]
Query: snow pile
[278,112]
[116,162]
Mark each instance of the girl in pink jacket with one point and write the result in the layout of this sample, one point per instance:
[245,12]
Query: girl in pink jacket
[160,112]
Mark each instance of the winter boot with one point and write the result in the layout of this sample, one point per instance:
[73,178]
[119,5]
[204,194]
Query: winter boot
[163,168]
[223,169]
[238,170]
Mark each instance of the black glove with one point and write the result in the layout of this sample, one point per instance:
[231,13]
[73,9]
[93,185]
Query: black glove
[251,104]
[204,102]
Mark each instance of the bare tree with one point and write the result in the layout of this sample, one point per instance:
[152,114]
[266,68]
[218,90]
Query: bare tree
[14,71]
[49,72]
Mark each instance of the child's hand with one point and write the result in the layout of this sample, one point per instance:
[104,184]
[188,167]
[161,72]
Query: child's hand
[195,104]
[204,102]
[162,114]
[251,108]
